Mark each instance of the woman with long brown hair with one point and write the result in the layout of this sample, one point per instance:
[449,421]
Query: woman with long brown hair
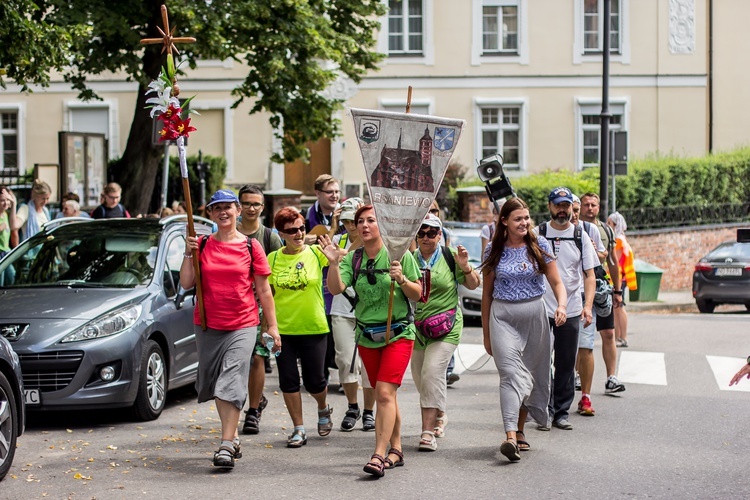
[514,322]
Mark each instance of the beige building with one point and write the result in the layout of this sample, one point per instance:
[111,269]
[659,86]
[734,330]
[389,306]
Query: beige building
[524,74]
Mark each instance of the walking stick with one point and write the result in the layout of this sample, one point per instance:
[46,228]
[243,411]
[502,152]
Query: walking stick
[393,282]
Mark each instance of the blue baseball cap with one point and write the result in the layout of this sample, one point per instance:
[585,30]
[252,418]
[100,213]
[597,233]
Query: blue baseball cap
[223,196]
[560,195]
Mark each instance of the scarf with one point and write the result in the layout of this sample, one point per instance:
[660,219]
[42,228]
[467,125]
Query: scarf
[32,224]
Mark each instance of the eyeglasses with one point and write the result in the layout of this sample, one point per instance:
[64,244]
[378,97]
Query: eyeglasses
[435,211]
[329,192]
[430,233]
[370,271]
[254,206]
[293,230]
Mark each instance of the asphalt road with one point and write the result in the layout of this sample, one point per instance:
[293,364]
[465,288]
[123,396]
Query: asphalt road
[675,433]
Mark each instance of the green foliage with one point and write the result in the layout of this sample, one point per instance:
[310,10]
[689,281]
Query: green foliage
[30,44]
[215,175]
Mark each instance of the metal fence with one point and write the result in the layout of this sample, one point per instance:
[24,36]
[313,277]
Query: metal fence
[677,216]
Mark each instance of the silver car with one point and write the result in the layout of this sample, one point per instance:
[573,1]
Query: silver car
[468,236]
[95,312]
[12,409]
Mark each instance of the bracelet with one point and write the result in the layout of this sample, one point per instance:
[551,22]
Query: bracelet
[617,292]
[471,270]
[402,282]
[187,255]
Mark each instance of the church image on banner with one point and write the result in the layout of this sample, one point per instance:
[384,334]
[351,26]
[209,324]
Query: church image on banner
[406,169]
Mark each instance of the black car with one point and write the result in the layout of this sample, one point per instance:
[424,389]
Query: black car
[12,409]
[723,275]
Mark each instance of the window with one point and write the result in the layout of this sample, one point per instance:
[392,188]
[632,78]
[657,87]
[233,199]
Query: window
[405,27]
[593,26]
[9,142]
[501,133]
[417,108]
[175,251]
[499,27]
[590,129]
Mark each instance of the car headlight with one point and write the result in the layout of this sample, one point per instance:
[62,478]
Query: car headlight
[107,325]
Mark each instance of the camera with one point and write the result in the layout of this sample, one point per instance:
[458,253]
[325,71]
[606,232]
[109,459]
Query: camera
[490,171]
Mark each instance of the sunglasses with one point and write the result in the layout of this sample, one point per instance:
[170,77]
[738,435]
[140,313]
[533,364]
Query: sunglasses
[431,233]
[254,206]
[435,211]
[293,230]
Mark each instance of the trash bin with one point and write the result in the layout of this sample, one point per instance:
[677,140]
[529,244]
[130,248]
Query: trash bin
[648,277]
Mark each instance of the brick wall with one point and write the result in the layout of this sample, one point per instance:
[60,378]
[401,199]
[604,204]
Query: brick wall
[474,205]
[677,250]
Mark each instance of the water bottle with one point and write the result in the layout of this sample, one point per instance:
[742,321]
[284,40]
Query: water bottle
[268,341]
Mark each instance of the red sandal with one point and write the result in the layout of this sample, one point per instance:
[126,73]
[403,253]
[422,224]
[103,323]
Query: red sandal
[375,468]
[390,464]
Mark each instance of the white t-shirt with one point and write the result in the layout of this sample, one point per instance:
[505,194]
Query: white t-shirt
[488,230]
[340,305]
[569,267]
[596,238]
[22,215]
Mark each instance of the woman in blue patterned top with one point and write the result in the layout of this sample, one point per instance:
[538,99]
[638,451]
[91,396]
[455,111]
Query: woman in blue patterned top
[514,322]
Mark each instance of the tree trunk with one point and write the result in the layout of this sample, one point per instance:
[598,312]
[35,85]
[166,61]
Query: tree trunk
[140,163]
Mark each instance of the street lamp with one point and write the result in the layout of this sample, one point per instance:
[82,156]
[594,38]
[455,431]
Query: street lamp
[497,185]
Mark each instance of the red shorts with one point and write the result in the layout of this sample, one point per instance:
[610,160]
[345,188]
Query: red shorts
[387,364]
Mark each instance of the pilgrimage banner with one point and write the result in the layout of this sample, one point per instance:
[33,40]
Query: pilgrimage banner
[405,157]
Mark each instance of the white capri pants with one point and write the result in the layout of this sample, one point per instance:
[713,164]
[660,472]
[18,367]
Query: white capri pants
[428,370]
[343,338]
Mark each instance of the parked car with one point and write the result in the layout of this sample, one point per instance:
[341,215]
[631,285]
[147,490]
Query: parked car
[723,275]
[12,409]
[468,236]
[96,314]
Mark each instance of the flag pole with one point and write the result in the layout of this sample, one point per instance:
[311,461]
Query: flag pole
[393,282]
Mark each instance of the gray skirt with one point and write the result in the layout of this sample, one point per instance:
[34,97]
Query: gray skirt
[224,359]
[522,349]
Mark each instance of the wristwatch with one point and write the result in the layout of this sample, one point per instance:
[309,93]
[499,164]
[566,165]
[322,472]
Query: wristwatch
[617,292]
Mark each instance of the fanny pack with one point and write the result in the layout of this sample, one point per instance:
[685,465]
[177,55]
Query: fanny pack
[376,332]
[438,325]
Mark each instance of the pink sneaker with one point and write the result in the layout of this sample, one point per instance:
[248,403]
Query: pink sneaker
[584,407]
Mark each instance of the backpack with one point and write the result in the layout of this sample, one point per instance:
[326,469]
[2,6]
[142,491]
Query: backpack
[356,264]
[599,271]
[204,240]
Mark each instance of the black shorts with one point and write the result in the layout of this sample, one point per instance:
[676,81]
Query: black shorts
[605,322]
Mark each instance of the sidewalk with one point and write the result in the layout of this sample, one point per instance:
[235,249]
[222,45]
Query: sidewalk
[673,301]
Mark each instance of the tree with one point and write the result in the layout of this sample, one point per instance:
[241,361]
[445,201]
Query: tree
[294,50]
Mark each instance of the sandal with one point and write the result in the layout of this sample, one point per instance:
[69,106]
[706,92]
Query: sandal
[428,444]
[398,463]
[509,448]
[298,439]
[237,448]
[325,423]
[440,427]
[224,457]
[523,445]
[375,468]
[350,419]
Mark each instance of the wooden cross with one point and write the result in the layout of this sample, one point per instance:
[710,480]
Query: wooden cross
[167,38]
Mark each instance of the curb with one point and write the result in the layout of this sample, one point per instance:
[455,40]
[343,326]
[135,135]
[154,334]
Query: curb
[649,307]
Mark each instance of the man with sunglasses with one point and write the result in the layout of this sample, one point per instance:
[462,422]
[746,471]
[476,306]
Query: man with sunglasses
[252,202]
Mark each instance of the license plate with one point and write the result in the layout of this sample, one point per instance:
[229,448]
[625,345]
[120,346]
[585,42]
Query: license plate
[728,271]
[32,397]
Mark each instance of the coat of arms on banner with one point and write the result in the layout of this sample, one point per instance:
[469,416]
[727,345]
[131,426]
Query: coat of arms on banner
[405,157]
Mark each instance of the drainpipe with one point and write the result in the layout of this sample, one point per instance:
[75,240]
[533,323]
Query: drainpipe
[710,76]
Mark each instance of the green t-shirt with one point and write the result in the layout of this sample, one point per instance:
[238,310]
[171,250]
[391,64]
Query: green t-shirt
[443,296]
[372,305]
[274,240]
[4,233]
[298,291]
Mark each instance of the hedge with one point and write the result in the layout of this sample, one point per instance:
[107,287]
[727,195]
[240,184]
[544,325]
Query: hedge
[665,181]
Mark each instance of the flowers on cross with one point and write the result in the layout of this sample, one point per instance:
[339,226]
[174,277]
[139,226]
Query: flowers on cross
[169,109]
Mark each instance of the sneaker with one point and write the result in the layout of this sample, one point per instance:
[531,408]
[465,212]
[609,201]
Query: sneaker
[563,424]
[541,427]
[578,382]
[584,407]
[452,378]
[613,385]
[368,421]
[350,418]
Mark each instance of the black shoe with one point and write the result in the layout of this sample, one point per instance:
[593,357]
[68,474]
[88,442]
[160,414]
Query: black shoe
[453,377]
[368,421]
[251,425]
[350,419]
[267,363]
[262,405]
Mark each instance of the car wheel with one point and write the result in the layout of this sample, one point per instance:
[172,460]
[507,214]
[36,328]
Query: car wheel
[747,306]
[152,389]
[8,426]
[705,306]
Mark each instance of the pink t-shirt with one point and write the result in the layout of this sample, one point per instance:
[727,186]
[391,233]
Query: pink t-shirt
[227,284]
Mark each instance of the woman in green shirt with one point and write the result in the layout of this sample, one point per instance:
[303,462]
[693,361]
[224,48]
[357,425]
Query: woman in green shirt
[385,362]
[439,324]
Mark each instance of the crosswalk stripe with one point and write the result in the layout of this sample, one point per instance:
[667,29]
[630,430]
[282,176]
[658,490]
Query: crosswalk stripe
[642,368]
[724,369]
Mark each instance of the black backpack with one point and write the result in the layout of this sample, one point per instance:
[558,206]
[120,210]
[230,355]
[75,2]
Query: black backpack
[578,240]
